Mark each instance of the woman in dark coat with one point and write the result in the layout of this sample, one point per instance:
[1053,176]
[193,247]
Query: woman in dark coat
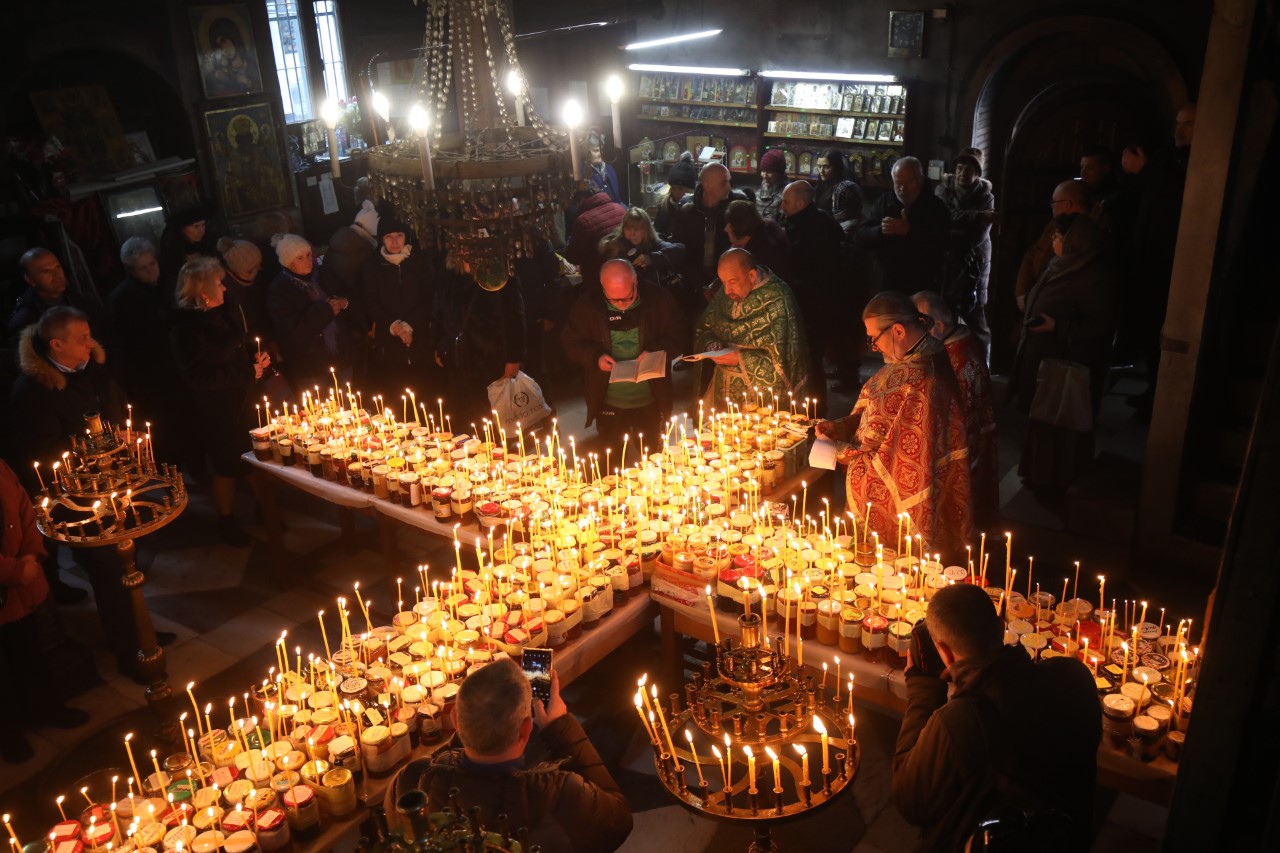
[219,370]
[186,236]
[397,294]
[656,260]
[480,338]
[305,317]
[763,238]
[1071,313]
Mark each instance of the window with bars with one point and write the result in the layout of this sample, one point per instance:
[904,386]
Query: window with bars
[293,41]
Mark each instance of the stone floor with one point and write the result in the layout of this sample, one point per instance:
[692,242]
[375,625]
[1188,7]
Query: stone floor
[228,605]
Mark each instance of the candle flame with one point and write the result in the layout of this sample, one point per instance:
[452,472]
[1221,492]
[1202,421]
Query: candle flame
[818,725]
[772,755]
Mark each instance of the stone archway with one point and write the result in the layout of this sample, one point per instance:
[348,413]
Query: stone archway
[1037,97]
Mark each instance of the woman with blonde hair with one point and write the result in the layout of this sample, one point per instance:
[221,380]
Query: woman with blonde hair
[219,372]
[635,239]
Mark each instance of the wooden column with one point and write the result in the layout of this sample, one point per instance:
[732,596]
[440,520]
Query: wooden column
[1226,56]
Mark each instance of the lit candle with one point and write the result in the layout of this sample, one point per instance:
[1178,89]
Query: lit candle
[777,768]
[804,764]
[719,760]
[324,636]
[764,615]
[156,764]
[822,730]
[329,113]
[751,769]
[1124,677]
[688,735]
[715,626]
[1102,592]
[728,758]
[662,718]
[643,721]
[190,688]
[129,749]
[59,804]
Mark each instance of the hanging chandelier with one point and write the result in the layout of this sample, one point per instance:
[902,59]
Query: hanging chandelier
[483,194]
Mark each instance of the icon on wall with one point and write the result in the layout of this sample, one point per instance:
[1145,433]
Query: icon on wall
[225,51]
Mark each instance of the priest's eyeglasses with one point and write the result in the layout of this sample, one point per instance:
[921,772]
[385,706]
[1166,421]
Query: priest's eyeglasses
[871,342]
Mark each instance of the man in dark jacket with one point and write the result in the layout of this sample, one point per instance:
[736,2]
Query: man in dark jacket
[597,218]
[397,296]
[64,376]
[46,288]
[1006,721]
[972,205]
[816,279]
[623,320]
[569,803]
[907,230]
[699,226]
[351,249]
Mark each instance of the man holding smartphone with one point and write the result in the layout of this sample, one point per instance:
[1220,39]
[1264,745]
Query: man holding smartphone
[961,759]
[568,801]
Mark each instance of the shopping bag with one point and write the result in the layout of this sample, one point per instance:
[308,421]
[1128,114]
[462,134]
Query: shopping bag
[1062,395]
[518,400]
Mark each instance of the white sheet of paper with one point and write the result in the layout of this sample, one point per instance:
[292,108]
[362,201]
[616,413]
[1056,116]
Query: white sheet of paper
[328,198]
[699,356]
[823,453]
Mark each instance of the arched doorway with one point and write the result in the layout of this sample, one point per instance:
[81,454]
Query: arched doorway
[1041,95]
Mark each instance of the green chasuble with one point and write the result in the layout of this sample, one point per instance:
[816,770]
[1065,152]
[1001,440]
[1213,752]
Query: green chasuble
[772,350]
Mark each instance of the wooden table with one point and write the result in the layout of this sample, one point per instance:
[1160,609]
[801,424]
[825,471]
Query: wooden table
[886,687]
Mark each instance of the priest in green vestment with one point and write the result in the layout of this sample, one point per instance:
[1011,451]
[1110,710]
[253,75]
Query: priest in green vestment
[754,315]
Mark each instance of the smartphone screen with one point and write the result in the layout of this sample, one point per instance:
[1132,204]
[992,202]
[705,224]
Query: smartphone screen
[536,664]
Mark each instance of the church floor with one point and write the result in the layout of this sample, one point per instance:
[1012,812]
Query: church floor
[227,606]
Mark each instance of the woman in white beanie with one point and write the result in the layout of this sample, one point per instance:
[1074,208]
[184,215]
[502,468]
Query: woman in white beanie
[304,315]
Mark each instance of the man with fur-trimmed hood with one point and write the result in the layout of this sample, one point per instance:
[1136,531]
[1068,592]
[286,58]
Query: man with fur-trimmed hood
[63,378]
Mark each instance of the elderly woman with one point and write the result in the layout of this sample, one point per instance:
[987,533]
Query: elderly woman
[140,309]
[1071,317]
[219,370]
[304,315]
[656,261]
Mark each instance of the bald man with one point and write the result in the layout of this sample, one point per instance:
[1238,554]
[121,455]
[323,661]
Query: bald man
[699,225]
[968,359]
[1070,196]
[756,315]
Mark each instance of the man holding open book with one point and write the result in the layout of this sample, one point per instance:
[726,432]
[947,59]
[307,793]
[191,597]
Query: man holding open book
[623,335]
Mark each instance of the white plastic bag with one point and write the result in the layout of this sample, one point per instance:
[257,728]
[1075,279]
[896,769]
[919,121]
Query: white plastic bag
[518,400]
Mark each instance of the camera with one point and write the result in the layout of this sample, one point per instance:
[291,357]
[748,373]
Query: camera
[924,654]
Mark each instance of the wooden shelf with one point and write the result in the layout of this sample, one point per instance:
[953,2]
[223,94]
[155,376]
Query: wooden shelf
[897,116]
[702,121]
[734,104]
[869,143]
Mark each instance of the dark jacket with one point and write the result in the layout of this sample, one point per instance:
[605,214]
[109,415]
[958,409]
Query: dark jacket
[28,309]
[569,804]
[349,253]
[390,292]
[918,260]
[772,249]
[1006,715]
[217,367]
[586,338]
[815,257]
[300,325]
[49,405]
[1079,291]
[477,333]
[596,219]
[969,246]
[701,230]
[140,313]
[18,538]
[605,179]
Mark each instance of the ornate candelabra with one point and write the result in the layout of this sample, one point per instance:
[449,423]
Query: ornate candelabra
[107,490]
[756,704]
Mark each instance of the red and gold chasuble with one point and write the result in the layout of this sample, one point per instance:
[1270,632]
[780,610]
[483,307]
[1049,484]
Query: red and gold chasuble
[970,367]
[911,451]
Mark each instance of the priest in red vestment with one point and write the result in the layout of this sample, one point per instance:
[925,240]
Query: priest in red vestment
[967,359]
[908,449]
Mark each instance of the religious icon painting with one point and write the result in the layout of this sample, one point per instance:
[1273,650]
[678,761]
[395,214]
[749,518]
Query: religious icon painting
[804,165]
[790,160]
[225,50]
[248,160]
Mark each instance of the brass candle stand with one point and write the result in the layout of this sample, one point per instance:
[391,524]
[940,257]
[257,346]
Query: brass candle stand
[756,700]
[107,490]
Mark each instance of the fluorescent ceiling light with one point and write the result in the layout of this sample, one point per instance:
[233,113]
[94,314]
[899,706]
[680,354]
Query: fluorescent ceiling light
[639,45]
[824,75]
[138,212]
[691,69]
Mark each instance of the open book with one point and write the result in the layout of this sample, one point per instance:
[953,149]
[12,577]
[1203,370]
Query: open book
[651,365]
[699,356]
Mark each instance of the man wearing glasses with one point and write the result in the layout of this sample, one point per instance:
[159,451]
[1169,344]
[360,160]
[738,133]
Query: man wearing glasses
[755,317]
[1071,196]
[908,448]
[621,320]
